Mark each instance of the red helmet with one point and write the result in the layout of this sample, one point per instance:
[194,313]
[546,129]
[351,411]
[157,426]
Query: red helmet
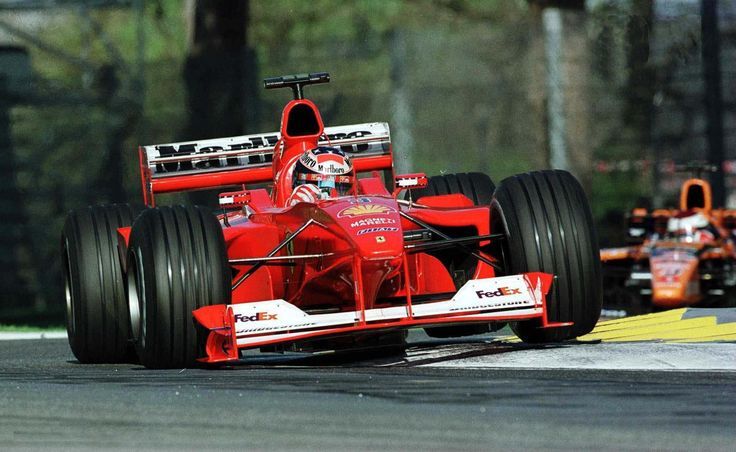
[326,167]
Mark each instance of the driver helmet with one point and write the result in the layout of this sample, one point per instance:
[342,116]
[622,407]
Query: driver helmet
[687,222]
[326,167]
[691,226]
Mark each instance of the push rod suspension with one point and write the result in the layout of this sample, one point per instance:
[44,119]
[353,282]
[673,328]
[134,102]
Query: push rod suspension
[273,252]
[447,237]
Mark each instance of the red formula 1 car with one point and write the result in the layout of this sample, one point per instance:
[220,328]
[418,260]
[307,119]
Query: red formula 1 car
[677,257]
[174,286]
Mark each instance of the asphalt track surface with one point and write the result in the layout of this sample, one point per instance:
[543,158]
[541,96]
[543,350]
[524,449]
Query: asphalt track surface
[442,395]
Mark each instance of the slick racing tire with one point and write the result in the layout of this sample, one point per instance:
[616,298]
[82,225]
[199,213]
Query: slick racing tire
[177,263]
[549,227]
[478,187]
[97,321]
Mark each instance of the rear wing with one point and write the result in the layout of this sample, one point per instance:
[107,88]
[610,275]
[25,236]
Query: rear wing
[247,159]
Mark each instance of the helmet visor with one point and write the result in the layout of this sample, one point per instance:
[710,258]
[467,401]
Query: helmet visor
[332,185]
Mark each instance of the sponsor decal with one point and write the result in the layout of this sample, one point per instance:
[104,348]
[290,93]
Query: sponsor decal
[351,148]
[364,200]
[365,209]
[325,162]
[372,230]
[331,168]
[197,156]
[672,267]
[264,329]
[307,160]
[257,317]
[191,149]
[372,222]
[494,305]
[669,272]
[380,239]
[500,292]
[354,134]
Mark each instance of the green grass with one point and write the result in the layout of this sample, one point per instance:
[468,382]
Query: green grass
[30,329]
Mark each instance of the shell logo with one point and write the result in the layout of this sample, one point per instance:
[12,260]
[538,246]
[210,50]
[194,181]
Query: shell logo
[364,209]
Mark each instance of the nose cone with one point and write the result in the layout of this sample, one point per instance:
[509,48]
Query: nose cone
[373,226]
[675,280]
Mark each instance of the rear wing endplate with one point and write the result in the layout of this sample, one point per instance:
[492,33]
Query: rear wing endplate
[247,159]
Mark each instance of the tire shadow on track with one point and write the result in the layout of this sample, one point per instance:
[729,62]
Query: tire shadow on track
[416,354]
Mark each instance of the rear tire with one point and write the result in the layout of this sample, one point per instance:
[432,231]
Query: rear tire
[549,228]
[478,187]
[177,262]
[98,325]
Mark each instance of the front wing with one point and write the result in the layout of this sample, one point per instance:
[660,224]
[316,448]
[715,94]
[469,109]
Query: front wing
[251,325]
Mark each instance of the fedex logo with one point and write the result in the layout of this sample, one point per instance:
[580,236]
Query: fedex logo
[500,292]
[259,316]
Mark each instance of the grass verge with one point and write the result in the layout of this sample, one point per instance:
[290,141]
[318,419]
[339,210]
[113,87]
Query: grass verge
[30,329]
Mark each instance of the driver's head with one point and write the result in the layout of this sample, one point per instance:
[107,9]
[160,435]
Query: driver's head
[326,167]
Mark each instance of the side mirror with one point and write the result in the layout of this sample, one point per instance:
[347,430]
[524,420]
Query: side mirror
[234,199]
[409,182]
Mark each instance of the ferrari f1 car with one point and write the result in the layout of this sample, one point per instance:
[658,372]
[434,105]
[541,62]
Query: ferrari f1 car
[178,286]
[676,257]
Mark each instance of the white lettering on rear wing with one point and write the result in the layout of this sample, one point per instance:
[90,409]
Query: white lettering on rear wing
[253,151]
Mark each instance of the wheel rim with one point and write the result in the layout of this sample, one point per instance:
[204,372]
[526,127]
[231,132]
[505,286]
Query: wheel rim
[71,319]
[137,299]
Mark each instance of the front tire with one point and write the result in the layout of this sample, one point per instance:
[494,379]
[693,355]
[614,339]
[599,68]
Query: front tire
[549,228]
[96,308]
[177,262]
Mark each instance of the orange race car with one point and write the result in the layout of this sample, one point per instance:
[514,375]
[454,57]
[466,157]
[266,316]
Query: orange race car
[676,257]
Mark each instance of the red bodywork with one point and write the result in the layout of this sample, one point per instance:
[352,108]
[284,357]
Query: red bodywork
[346,255]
